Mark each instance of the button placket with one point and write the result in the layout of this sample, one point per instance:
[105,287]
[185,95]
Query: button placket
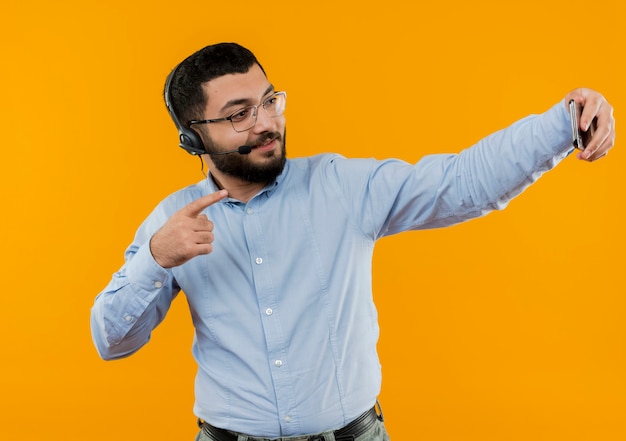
[254,226]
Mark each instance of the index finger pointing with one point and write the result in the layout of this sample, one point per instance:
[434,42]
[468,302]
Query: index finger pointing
[194,208]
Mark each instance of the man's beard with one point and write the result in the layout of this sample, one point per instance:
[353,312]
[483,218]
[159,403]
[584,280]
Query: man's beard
[241,167]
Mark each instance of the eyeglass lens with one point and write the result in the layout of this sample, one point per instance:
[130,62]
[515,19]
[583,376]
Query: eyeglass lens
[245,118]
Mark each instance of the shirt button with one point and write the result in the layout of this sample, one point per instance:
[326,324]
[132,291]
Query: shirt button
[259,261]
[269,311]
[288,419]
[158,284]
[278,363]
[250,211]
[128,318]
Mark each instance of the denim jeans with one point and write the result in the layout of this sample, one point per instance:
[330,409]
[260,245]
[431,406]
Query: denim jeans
[376,433]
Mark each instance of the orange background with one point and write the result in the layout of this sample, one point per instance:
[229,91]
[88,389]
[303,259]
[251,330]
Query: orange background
[506,328]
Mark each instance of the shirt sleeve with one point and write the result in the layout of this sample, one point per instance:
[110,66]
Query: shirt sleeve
[392,196]
[136,299]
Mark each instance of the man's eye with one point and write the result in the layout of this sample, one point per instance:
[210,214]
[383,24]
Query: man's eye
[240,115]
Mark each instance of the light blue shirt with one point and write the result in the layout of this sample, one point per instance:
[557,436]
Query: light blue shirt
[285,326]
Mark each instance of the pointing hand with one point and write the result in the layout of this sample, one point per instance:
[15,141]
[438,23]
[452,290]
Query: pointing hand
[186,234]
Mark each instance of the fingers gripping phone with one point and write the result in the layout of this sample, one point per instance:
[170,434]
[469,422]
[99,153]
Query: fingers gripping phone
[580,139]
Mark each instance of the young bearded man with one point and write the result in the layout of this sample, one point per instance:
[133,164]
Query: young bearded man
[274,254]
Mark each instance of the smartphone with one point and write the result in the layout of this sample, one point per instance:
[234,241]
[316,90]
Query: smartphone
[579,138]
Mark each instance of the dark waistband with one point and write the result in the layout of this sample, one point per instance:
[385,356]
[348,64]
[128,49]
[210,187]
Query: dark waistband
[348,433]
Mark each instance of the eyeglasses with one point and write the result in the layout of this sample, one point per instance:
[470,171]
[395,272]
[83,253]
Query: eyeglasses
[244,119]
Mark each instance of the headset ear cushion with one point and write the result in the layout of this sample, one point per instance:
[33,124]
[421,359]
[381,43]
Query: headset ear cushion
[190,141]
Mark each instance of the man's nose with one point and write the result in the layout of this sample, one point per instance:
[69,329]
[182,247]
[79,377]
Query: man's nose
[263,121]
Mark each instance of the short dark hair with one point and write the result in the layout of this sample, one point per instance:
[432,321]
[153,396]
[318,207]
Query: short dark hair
[187,97]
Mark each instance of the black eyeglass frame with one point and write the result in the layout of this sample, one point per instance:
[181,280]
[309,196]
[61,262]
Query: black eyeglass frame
[256,110]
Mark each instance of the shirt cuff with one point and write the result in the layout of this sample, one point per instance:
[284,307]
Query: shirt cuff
[557,127]
[144,273]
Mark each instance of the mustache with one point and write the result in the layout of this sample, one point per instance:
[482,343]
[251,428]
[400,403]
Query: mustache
[264,138]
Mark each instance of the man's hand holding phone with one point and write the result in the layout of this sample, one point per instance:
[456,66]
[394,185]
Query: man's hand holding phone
[593,125]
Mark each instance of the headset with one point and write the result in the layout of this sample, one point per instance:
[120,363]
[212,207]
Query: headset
[190,140]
